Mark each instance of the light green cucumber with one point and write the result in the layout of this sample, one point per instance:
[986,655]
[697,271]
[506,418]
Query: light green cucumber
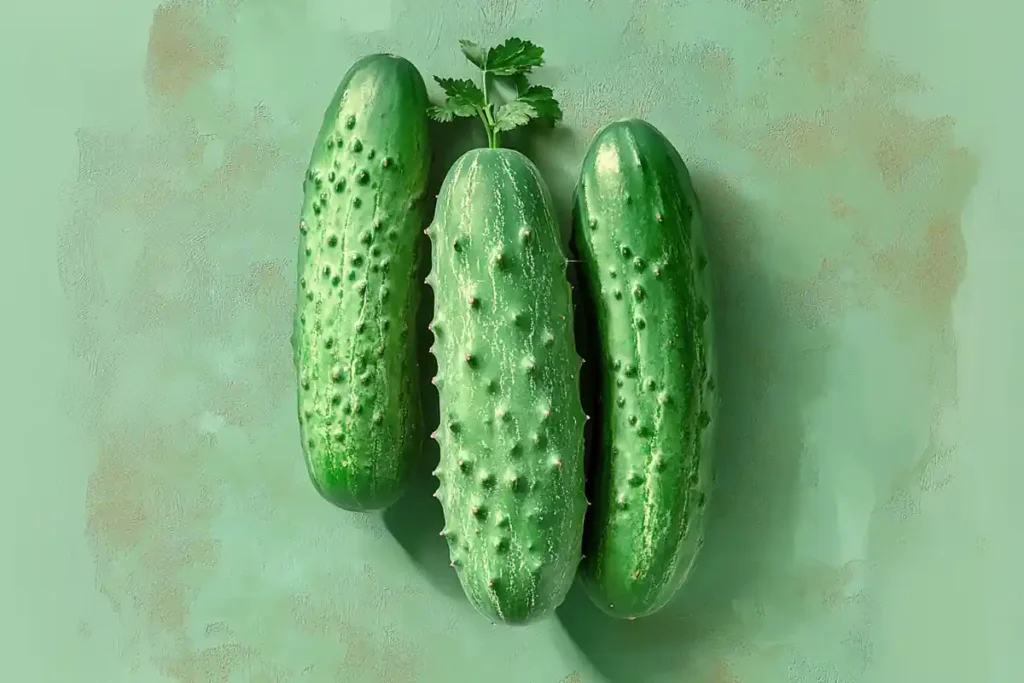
[354,328]
[644,266]
[511,432]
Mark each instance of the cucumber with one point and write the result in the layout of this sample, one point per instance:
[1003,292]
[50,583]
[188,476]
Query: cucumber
[354,335]
[644,266]
[511,431]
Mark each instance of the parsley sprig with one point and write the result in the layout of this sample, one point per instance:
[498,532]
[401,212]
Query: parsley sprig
[512,60]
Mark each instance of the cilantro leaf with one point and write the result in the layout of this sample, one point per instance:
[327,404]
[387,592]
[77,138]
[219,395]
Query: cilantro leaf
[513,114]
[521,82]
[440,113]
[514,56]
[465,98]
[463,90]
[543,101]
[512,60]
[474,53]
[448,110]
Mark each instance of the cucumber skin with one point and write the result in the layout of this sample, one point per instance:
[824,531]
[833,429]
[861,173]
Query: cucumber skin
[511,434]
[354,334]
[639,235]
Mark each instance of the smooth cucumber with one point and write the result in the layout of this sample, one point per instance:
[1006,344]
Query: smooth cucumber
[511,432]
[644,266]
[354,326]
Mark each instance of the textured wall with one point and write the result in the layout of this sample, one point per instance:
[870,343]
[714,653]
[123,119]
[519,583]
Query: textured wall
[858,529]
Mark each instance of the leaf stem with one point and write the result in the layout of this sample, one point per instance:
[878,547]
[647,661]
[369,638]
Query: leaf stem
[487,126]
[487,116]
[494,135]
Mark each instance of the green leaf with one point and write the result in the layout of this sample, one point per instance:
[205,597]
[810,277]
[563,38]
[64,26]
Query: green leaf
[440,113]
[513,114]
[521,82]
[543,101]
[514,56]
[447,110]
[474,53]
[463,90]
[512,60]
[465,98]
[451,108]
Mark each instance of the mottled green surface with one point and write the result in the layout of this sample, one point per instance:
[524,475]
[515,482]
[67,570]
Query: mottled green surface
[358,292]
[511,428]
[859,166]
[638,229]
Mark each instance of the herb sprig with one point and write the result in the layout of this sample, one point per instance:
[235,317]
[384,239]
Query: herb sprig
[513,60]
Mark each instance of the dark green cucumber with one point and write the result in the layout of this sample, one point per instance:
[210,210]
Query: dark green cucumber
[354,327]
[511,432]
[644,265]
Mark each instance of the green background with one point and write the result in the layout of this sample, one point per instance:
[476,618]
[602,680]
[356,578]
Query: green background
[858,164]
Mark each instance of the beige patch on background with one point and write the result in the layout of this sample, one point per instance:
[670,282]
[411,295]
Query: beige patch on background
[905,233]
[722,674]
[896,242]
[182,52]
[181,334]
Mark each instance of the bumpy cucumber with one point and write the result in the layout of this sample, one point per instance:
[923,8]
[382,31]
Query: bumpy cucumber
[511,432]
[644,265]
[354,327]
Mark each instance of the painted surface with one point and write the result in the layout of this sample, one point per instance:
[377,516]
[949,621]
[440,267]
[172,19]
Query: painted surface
[855,165]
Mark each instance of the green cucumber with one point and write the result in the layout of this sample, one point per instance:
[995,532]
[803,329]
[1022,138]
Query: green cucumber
[511,433]
[354,327]
[644,266]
